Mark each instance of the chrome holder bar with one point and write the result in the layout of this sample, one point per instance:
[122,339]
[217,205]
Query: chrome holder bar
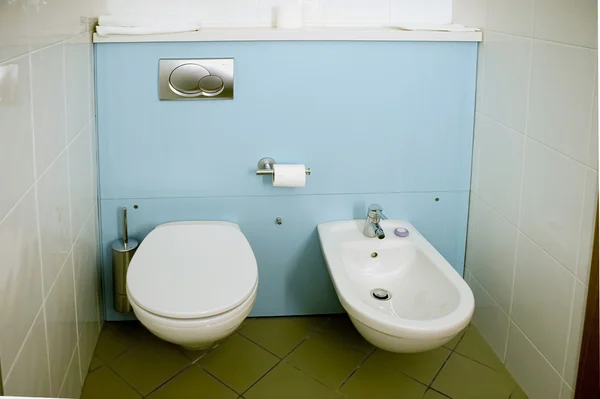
[265,167]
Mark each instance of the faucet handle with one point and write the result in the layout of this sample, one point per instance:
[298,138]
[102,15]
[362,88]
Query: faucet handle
[376,210]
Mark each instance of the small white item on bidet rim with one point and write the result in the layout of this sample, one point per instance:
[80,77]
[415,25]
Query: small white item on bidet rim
[289,175]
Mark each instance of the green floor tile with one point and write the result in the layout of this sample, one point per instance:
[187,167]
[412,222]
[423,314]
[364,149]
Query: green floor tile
[327,359]
[422,366]
[454,342]
[284,381]
[246,321]
[238,362]
[518,393]
[104,383]
[95,363]
[463,378]
[193,383]
[280,335]
[431,394]
[341,328]
[473,346]
[149,365]
[373,381]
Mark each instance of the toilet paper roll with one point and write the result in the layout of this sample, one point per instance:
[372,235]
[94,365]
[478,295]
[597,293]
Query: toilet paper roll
[289,175]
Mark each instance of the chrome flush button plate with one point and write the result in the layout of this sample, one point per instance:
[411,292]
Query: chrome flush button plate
[195,79]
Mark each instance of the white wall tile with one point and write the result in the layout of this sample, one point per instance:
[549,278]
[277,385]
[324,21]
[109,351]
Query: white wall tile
[575,335]
[491,250]
[562,120]
[80,172]
[480,76]
[510,16]
[87,343]
[358,13]
[475,160]
[61,325]
[567,21]
[470,12]
[433,11]
[20,277]
[30,374]
[86,276]
[55,218]
[71,386]
[27,206]
[53,21]
[14,35]
[233,13]
[506,79]
[588,222]
[542,300]
[48,90]
[553,191]
[527,365]
[592,161]
[489,319]
[77,54]
[499,178]
[16,138]
[567,392]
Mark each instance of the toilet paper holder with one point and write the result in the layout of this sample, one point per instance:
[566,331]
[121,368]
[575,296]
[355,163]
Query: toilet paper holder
[265,167]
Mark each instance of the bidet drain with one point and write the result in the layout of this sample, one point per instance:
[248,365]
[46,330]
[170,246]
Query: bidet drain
[380,294]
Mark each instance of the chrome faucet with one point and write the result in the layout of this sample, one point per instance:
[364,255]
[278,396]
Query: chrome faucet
[374,216]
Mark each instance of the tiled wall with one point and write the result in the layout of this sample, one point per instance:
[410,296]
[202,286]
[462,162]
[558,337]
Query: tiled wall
[534,184]
[49,282]
[252,13]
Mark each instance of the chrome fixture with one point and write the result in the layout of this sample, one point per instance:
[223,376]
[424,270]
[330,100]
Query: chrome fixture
[374,216]
[122,253]
[196,79]
[265,167]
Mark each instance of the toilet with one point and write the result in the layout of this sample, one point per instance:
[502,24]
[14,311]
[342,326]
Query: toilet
[193,283]
[400,292]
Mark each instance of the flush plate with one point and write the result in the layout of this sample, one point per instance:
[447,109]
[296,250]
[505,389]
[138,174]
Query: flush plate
[195,79]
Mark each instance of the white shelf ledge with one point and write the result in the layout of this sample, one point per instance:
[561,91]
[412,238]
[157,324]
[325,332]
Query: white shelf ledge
[308,34]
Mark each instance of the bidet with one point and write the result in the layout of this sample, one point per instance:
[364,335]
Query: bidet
[400,293]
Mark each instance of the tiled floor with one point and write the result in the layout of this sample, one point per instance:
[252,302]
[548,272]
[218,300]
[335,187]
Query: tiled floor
[288,358]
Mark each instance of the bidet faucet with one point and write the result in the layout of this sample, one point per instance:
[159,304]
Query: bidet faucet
[374,216]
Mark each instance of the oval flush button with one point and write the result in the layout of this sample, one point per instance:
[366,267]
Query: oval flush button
[184,80]
[211,85]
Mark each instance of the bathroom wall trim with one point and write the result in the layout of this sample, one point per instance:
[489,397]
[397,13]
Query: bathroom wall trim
[314,34]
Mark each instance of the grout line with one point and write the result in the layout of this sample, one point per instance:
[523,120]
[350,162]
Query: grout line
[61,42]
[37,178]
[72,242]
[536,141]
[62,384]
[37,217]
[168,380]
[286,195]
[532,37]
[357,367]
[70,253]
[531,239]
[566,350]
[12,366]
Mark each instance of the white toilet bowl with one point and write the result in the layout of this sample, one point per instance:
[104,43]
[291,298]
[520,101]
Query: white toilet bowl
[193,283]
[427,303]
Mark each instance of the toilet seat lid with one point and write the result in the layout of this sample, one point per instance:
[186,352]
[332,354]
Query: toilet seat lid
[192,270]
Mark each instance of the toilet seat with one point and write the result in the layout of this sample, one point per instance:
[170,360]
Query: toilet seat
[192,270]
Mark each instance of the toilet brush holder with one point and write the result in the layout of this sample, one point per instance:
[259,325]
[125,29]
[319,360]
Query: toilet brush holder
[122,253]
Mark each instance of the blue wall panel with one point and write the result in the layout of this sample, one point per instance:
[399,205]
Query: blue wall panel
[377,122]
